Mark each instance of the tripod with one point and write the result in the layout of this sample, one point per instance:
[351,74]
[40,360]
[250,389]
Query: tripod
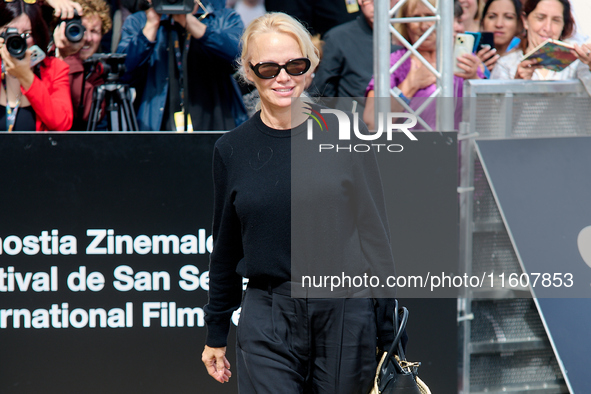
[119,111]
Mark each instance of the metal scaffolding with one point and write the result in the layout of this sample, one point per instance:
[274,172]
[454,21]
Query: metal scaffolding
[384,18]
[504,342]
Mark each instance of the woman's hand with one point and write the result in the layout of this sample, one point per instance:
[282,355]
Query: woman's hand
[526,69]
[488,56]
[18,68]
[64,9]
[64,47]
[469,64]
[216,363]
[419,77]
[583,53]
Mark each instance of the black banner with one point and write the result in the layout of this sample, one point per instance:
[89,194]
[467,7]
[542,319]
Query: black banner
[104,251]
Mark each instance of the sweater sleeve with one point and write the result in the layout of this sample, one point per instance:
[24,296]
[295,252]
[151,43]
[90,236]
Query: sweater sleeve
[50,96]
[374,236]
[225,285]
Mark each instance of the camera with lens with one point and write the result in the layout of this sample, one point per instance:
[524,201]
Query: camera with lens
[74,28]
[173,6]
[111,66]
[15,43]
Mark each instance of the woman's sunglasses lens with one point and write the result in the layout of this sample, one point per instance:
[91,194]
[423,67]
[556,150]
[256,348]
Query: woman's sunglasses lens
[297,67]
[271,70]
[268,70]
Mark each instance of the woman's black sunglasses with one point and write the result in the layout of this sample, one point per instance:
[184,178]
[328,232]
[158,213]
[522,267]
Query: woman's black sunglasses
[269,70]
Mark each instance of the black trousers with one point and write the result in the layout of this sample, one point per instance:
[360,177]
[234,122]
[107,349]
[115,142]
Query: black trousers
[288,345]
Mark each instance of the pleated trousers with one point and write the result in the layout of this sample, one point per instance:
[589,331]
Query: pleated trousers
[289,345]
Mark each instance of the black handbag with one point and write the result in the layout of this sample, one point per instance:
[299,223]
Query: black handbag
[395,375]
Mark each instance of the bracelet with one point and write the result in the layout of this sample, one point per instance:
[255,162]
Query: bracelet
[399,93]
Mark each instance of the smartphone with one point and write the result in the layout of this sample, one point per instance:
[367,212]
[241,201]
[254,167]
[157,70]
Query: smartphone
[477,36]
[464,44]
[37,55]
[487,39]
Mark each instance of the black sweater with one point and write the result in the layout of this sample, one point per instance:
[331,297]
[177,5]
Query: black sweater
[283,208]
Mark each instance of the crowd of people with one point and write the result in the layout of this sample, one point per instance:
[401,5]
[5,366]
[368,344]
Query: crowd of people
[182,67]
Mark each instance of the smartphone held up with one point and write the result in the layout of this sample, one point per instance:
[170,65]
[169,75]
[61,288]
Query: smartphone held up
[37,55]
[464,43]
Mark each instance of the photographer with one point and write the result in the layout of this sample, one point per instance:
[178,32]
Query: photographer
[32,96]
[74,45]
[184,62]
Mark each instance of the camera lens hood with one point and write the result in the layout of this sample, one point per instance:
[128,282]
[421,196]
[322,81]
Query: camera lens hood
[15,44]
[74,28]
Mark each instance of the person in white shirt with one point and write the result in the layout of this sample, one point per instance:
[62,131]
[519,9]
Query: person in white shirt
[544,19]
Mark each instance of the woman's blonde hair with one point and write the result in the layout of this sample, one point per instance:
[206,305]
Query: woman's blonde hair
[277,22]
[403,13]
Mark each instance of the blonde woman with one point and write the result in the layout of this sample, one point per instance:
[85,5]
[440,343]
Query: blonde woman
[285,344]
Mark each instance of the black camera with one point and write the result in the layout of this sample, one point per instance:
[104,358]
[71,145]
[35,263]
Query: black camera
[15,43]
[173,6]
[111,66]
[74,28]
